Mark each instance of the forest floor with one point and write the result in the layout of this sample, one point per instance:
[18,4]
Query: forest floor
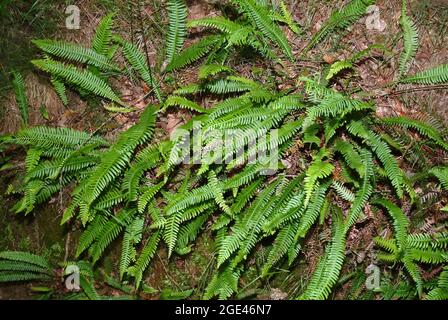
[46,19]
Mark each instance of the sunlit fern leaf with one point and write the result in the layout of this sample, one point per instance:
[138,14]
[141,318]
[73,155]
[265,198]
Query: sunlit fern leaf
[183,103]
[441,291]
[333,107]
[148,194]
[410,41]
[224,283]
[60,89]
[329,267]
[103,35]
[26,257]
[218,192]
[145,258]
[422,128]
[116,159]
[288,19]
[32,159]
[53,138]
[177,29]
[400,221]
[18,84]
[415,273]
[83,79]
[435,75]
[442,174]
[259,16]
[428,241]
[317,170]
[189,232]
[383,152]
[312,212]
[145,160]
[195,52]
[337,67]
[220,23]
[248,227]
[109,232]
[282,243]
[75,52]
[174,220]
[363,194]
[343,191]
[341,19]
[389,245]
[138,61]
[132,236]
[209,70]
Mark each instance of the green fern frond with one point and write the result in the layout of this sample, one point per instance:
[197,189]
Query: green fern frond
[383,152]
[132,236]
[259,16]
[337,67]
[442,174]
[145,258]
[60,89]
[422,128]
[400,221]
[25,257]
[210,70]
[330,265]
[218,193]
[83,79]
[195,52]
[177,29]
[287,18]
[103,35]
[54,138]
[435,75]
[18,83]
[74,52]
[341,19]
[410,41]
[183,103]
[220,23]
[138,61]
[441,291]
[317,170]
[115,160]
[110,232]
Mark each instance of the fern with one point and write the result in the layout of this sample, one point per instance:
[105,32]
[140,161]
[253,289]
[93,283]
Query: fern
[18,84]
[194,52]
[410,41]
[327,271]
[341,19]
[259,16]
[74,52]
[115,160]
[145,257]
[60,89]
[435,75]
[177,30]
[137,60]
[83,79]
[103,35]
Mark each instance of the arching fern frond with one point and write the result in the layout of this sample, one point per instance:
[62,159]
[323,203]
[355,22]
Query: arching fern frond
[177,29]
